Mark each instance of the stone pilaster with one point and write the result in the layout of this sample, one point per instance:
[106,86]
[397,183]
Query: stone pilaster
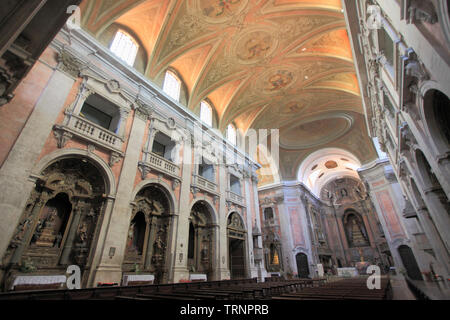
[110,267]
[181,227]
[15,185]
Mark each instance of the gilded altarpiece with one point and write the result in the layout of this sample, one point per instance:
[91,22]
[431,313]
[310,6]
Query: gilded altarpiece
[148,234]
[60,222]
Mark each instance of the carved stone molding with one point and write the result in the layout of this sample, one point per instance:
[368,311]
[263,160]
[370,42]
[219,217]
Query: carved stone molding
[69,64]
[113,86]
[90,148]
[195,191]
[407,141]
[145,170]
[403,170]
[61,136]
[419,10]
[142,113]
[415,68]
[175,184]
[114,158]
[6,79]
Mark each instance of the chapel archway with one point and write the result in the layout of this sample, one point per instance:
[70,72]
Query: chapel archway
[59,224]
[302,265]
[437,115]
[201,240]
[148,234]
[236,246]
[432,185]
[409,262]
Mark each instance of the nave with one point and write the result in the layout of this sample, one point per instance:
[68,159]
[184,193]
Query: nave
[275,289]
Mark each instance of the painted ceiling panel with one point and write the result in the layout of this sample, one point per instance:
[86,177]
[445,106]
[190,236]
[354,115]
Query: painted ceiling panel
[264,64]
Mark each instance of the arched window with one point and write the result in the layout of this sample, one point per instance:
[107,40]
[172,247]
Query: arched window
[125,47]
[231,134]
[206,114]
[172,86]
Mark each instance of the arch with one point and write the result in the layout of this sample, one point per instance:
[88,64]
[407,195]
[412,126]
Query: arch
[432,119]
[232,134]
[138,230]
[163,186]
[206,113]
[125,46]
[302,265]
[106,37]
[443,11]
[201,239]
[215,115]
[183,94]
[236,237]
[97,161]
[409,262]
[151,222]
[231,212]
[61,220]
[211,207]
[355,229]
[314,171]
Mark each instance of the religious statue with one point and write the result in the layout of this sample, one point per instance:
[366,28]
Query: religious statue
[82,233]
[159,244]
[357,235]
[158,250]
[130,236]
[275,257]
[37,232]
[58,240]
[45,236]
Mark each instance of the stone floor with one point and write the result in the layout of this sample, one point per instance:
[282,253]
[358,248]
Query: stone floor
[400,289]
[434,290]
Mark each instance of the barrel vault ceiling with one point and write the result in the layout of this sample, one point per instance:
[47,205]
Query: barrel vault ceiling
[264,64]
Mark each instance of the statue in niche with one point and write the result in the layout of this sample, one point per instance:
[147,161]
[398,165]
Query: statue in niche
[158,248]
[130,244]
[205,250]
[82,233]
[274,254]
[359,192]
[356,233]
[159,244]
[37,232]
[58,240]
[157,208]
[21,230]
[46,237]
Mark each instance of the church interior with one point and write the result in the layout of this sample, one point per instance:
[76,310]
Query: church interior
[211,149]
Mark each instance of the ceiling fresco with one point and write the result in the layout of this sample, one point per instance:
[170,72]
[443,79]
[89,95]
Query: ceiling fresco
[264,64]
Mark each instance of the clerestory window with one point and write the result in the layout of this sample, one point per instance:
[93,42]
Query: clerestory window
[125,47]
